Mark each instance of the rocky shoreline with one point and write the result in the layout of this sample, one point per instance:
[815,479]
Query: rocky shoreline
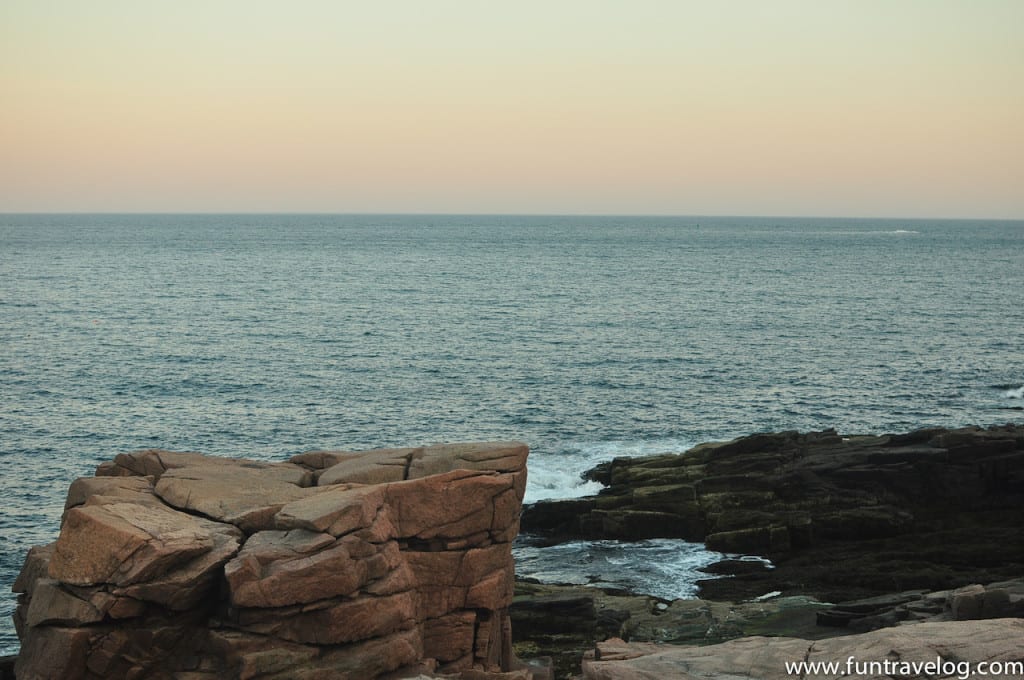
[566,623]
[862,533]
[841,518]
[397,563]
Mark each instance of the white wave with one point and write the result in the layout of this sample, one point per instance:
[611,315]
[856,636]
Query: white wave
[547,484]
[558,473]
[666,568]
[1014,394]
[767,596]
[852,232]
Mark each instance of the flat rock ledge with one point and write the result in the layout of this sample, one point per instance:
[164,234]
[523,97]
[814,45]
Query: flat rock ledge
[992,648]
[336,564]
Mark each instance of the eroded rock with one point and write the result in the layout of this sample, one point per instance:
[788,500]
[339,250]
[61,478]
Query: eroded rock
[335,564]
[125,543]
[282,568]
[246,497]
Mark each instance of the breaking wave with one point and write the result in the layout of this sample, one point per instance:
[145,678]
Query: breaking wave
[666,568]
[558,473]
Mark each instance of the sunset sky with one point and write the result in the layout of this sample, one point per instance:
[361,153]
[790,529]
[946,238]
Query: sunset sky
[858,108]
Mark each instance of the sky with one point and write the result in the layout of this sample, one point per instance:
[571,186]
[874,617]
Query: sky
[900,108]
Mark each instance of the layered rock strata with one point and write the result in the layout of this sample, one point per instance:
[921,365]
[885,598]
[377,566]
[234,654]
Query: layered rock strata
[332,565]
[841,517]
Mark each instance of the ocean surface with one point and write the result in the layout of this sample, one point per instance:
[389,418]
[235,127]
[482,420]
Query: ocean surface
[586,337]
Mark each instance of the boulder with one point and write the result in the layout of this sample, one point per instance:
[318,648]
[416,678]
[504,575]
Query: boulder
[502,457]
[255,656]
[450,638]
[985,602]
[454,505]
[334,622]
[191,582]
[52,604]
[125,543]
[451,580]
[282,568]
[104,490]
[237,494]
[373,467]
[336,510]
[155,462]
[54,652]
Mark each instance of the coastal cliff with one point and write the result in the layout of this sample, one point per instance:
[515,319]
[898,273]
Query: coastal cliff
[332,565]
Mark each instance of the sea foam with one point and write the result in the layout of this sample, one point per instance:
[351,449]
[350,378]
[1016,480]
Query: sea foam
[558,472]
[1017,393]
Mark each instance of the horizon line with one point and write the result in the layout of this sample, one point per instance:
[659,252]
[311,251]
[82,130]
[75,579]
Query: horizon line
[311,213]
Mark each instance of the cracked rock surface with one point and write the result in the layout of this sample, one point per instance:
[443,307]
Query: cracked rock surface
[961,644]
[335,564]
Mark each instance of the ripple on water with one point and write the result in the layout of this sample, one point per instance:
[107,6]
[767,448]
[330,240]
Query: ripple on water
[588,338]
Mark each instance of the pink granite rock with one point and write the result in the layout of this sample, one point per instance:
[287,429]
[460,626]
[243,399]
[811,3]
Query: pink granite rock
[962,643]
[246,497]
[103,490]
[333,565]
[372,467]
[336,510]
[124,543]
[282,568]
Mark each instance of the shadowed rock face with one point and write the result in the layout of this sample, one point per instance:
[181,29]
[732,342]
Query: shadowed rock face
[841,517]
[333,565]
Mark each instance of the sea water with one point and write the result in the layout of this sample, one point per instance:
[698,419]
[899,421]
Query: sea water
[587,337]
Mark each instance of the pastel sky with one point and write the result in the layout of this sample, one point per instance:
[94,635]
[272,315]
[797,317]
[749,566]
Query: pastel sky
[823,107]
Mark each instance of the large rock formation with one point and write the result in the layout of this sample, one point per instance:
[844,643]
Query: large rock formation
[332,565]
[841,517]
[927,650]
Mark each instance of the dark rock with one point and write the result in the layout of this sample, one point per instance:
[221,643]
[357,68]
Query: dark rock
[842,518]
[559,520]
[571,613]
[565,621]
[870,613]
[729,567]
[7,667]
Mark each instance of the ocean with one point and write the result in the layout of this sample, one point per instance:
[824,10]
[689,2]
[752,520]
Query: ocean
[587,337]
